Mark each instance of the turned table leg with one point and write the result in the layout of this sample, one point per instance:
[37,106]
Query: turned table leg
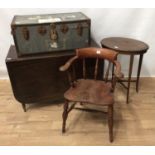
[139,70]
[129,77]
[24,107]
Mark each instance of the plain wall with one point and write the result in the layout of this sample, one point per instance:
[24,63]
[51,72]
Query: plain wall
[132,23]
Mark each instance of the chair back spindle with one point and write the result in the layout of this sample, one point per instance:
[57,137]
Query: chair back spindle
[96,68]
[84,68]
[107,72]
[74,72]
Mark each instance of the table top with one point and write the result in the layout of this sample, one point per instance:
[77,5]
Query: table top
[125,45]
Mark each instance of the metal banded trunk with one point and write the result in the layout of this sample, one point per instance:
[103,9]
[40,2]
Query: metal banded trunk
[34,34]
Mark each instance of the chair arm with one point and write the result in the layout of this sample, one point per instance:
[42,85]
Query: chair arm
[68,64]
[117,71]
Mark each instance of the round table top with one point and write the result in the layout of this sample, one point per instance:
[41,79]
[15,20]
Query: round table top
[125,45]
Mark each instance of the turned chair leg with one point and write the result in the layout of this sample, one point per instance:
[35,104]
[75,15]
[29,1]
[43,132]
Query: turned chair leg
[64,116]
[110,122]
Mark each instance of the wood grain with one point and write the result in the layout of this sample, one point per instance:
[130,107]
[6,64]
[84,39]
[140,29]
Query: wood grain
[41,124]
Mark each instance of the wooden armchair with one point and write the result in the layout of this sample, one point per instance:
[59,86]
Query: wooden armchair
[91,91]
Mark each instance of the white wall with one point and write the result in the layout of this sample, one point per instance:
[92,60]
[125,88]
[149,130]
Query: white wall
[133,23]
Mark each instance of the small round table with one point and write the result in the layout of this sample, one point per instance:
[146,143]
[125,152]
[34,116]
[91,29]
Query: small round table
[129,47]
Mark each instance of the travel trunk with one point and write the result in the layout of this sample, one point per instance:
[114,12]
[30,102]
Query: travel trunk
[36,34]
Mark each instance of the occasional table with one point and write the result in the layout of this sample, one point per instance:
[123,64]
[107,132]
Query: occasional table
[129,47]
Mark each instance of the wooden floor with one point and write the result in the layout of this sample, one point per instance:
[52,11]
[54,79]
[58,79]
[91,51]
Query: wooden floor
[41,124]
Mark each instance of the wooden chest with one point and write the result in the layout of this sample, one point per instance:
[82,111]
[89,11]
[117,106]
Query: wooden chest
[34,34]
[38,79]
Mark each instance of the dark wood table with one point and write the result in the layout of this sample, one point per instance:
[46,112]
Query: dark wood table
[37,78]
[129,47]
